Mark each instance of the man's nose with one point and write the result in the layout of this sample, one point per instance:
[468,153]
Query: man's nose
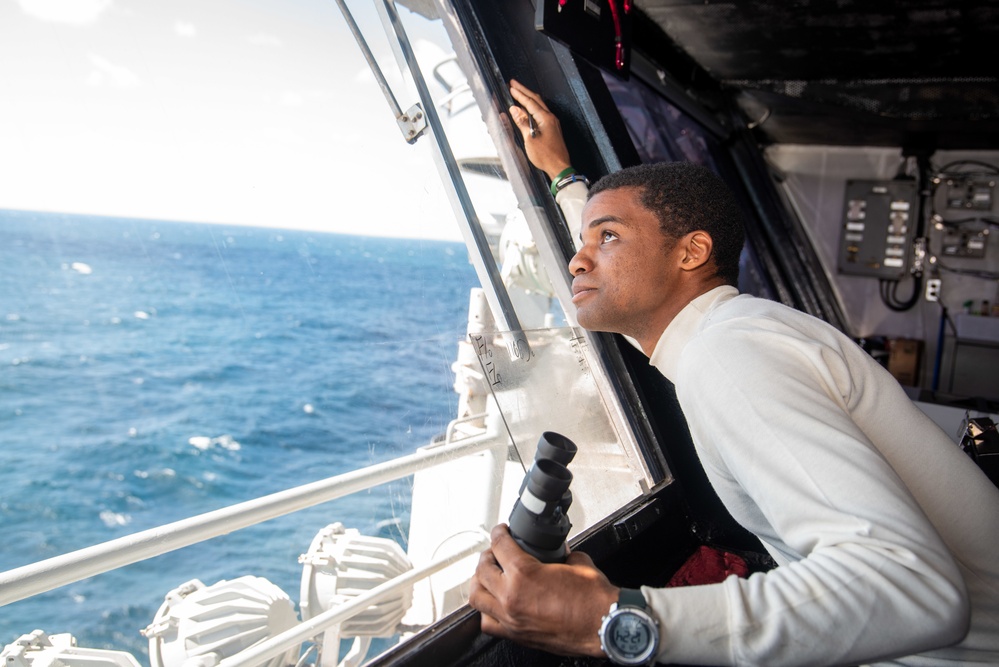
[579,263]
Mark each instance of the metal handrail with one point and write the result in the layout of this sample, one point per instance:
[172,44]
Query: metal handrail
[258,654]
[42,576]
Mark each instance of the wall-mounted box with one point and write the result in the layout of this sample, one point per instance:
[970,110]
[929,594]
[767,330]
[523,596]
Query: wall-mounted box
[878,225]
[977,327]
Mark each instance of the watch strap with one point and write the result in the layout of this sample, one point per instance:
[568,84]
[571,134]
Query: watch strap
[631,597]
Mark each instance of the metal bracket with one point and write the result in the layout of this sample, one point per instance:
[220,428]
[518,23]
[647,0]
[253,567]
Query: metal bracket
[629,527]
[919,247]
[412,123]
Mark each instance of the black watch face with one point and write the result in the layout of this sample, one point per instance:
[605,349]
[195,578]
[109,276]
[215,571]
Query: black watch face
[631,636]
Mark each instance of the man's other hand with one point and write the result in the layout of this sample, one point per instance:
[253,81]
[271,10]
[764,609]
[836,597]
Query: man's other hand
[552,606]
[546,149]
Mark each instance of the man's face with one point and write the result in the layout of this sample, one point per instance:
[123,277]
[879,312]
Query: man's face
[625,274]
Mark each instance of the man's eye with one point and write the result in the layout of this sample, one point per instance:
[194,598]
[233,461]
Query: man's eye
[606,236]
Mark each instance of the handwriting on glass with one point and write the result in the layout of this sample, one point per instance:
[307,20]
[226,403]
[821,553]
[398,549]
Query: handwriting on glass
[578,343]
[485,352]
[519,349]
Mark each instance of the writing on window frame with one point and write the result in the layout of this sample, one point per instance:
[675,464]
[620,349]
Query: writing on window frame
[519,349]
[578,344]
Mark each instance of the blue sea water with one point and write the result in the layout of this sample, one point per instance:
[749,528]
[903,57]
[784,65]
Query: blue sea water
[151,371]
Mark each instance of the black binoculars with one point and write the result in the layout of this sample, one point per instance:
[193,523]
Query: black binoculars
[539,521]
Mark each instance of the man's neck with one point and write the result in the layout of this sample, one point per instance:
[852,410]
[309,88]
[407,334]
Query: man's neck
[649,338]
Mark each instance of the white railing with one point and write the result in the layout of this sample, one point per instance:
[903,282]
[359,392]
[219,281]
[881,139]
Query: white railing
[260,653]
[29,580]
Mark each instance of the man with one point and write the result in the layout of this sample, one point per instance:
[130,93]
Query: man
[885,533]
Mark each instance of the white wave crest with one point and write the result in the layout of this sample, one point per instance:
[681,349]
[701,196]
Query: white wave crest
[203,442]
[115,519]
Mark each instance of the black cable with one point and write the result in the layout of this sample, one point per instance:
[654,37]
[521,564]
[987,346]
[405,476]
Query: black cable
[950,320]
[889,294]
[978,163]
[994,222]
[889,288]
[973,273]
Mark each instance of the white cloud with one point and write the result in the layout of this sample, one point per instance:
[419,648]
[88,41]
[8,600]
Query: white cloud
[79,12]
[290,98]
[185,29]
[106,72]
[262,39]
[299,98]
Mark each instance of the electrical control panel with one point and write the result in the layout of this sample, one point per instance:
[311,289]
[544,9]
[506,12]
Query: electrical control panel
[964,243]
[967,201]
[970,193]
[878,225]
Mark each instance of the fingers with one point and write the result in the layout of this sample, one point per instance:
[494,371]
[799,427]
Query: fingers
[541,131]
[534,113]
[498,531]
[488,572]
[479,595]
[527,97]
[522,120]
[491,626]
[486,592]
[507,552]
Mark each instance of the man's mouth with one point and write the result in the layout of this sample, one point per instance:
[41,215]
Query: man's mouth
[579,291]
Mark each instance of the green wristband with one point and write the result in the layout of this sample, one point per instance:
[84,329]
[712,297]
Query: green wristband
[562,174]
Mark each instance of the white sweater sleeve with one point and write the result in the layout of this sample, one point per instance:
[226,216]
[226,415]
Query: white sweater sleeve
[868,577]
[571,199]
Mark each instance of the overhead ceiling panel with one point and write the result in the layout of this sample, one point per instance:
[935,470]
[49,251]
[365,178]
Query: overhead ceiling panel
[922,72]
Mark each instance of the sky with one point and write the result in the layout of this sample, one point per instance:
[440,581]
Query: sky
[252,112]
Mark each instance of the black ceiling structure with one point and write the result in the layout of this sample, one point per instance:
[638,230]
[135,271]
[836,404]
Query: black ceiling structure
[917,73]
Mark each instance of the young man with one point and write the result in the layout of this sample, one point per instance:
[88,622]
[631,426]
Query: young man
[880,524]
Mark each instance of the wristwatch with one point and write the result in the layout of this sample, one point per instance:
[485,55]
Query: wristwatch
[629,634]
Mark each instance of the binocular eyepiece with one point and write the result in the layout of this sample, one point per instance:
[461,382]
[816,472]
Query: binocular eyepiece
[539,521]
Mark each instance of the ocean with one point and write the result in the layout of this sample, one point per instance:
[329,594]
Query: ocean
[152,371]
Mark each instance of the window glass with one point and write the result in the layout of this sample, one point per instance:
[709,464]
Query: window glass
[227,274]
[529,371]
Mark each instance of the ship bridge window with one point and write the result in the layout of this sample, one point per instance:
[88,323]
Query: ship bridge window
[262,339]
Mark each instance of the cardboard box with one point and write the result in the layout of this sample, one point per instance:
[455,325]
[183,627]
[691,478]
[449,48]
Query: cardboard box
[904,355]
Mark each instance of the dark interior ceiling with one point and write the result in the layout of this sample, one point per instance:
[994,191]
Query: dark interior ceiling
[918,74]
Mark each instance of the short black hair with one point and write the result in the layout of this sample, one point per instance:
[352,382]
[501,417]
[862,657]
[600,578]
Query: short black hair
[687,197]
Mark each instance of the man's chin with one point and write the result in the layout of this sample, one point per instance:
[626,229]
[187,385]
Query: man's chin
[592,322]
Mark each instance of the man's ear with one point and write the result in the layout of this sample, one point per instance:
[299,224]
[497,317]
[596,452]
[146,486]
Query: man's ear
[696,246]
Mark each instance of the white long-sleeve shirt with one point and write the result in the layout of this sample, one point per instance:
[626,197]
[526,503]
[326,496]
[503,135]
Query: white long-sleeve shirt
[885,532]
[571,199]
